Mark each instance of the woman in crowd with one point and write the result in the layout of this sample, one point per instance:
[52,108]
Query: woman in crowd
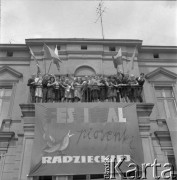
[125,89]
[51,93]
[57,89]
[31,84]
[77,89]
[62,89]
[38,91]
[132,91]
[140,80]
[45,88]
[94,89]
[68,90]
[103,88]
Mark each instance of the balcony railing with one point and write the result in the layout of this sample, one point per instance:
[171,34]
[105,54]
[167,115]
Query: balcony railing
[88,93]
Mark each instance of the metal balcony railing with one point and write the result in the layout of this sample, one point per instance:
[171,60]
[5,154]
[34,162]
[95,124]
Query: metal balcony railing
[90,93]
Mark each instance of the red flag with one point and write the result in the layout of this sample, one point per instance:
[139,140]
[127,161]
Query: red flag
[35,59]
[50,54]
[117,59]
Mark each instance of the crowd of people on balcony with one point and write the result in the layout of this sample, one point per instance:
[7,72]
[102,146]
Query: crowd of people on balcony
[116,88]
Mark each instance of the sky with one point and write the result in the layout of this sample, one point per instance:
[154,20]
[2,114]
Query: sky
[154,22]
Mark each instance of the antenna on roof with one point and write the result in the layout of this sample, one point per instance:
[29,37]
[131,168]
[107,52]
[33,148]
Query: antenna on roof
[100,10]
[10,41]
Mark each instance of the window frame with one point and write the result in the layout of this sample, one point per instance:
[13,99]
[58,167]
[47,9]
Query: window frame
[12,97]
[167,85]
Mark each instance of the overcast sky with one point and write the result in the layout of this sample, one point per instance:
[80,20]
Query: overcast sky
[154,22]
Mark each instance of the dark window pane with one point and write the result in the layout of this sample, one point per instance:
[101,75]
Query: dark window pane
[84,47]
[96,176]
[9,53]
[79,177]
[45,178]
[112,48]
[156,55]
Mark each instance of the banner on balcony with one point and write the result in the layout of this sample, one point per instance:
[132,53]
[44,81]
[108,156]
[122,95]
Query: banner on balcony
[75,138]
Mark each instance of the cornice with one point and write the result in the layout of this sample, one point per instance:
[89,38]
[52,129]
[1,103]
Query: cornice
[86,52]
[162,134]
[131,42]
[156,49]
[159,60]
[144,109]
[16,47]
[28,110]
[15,59]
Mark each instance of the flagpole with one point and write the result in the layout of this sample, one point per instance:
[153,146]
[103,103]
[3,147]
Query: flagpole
[44,65]
[44,62]
[50,66]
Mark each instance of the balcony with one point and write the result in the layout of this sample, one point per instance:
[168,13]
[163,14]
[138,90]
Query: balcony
[88,93]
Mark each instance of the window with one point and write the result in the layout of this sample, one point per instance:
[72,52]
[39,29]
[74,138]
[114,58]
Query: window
[45,178]
[58,48]
[5,95]
[9,53]
[96,176]
[83,47]
[112,48]
[156,55]
[166,102]
[79,177]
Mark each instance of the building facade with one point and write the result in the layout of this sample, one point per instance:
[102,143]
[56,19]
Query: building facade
[156,116]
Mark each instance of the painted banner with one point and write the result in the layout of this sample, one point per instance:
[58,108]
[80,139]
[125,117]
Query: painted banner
[75,138]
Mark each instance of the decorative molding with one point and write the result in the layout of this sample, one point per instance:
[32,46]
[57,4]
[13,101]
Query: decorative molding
[156,66]
[16,47]
[162,134]
[162,71]
[28,110]
[15,59]
[84,66]
[155,60]
[29,127]
[159,49]
[164,141]
[144,109]
[62,41]
[11,71]
[6,136]
[144,127]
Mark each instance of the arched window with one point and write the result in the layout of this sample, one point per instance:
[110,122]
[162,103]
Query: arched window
[84,71]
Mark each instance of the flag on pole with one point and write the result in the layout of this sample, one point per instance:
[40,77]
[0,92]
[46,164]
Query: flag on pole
[117,59]
[35,59]
[131,63]
[50,54]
